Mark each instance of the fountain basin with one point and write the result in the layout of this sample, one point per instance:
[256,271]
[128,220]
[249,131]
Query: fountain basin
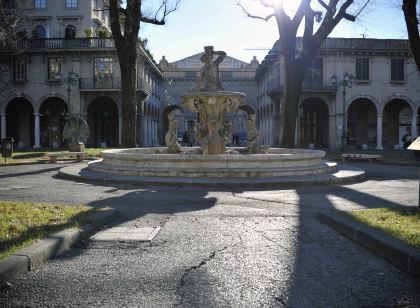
[277,162]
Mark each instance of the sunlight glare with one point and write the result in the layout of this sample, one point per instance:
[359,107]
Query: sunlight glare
[289,6]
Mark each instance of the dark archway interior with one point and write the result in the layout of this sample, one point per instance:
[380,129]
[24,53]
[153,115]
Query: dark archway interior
[103,122]
[20,122]
[392,128]
[53,112]
[313,123]
[361,123]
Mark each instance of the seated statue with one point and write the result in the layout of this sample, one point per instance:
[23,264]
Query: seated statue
[171,138]
[253,145]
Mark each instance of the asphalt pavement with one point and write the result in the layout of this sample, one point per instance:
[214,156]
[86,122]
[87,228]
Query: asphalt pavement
[216,248]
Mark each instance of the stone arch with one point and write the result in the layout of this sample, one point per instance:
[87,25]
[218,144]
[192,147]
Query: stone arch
[325,98]
[396,118]
[20,121]
[399,97]
[50,96]
[53,112]
[365,96]
[313,122]
[103,121]
[361,122]
[9,99]
[90,98]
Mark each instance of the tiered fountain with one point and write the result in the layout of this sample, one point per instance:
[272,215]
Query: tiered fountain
[213,163]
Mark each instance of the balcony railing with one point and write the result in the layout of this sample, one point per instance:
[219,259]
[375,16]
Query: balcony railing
[111,83]
[275,85]
[100,83]
[60,43]
[362,44]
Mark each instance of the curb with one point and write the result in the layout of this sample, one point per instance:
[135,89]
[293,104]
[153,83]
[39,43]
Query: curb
[33,256]
[391,249]
[81,173]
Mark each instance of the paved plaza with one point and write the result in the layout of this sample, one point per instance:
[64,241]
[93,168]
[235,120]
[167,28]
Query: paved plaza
[216,247]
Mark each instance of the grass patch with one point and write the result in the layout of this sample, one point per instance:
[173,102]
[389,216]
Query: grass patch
[22,223]
[402,223]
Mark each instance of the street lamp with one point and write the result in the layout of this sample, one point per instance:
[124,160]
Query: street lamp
[71,80]
[346,82]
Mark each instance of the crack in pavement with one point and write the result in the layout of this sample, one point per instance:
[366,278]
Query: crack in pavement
[202,263]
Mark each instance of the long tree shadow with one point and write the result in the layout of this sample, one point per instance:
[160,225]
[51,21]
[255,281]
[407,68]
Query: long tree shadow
[330,270]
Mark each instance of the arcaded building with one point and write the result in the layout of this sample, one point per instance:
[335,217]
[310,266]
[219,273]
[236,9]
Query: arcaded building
[70,66]
[383,101]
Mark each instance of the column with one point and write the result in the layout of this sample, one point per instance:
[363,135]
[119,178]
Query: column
[119,129]
[3,126]
[414,126]
[37,131]
[332,132]
[379,132]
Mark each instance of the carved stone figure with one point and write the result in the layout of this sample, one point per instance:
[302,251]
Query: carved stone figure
[171,139]
[227,132]
[253,145]
[77,132]
[209,75]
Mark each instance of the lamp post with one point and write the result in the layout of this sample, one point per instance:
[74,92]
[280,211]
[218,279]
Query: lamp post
[346,82]
[71,80]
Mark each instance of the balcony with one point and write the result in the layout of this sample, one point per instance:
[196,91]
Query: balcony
[77,43]
[275,86]
[110,84]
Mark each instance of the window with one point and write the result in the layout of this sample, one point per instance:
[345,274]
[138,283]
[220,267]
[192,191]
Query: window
[397,69]
[19,69]
[40,4]
[314,74]
[103,71]
[54,66]
[362,69]
[70,32]
[71,4]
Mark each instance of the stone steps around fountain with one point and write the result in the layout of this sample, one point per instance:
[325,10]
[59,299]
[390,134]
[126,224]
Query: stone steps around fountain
[210,172]
[344,174]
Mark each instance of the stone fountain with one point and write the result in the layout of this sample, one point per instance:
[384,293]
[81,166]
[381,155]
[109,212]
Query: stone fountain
[213,163]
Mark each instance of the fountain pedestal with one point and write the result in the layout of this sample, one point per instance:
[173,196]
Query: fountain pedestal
[214,132]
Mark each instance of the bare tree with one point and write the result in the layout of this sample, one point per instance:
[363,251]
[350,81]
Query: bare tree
[411,13]
[328,15]
[12,34]
[125,26]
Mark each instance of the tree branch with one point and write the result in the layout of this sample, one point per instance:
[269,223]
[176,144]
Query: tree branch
[266,18]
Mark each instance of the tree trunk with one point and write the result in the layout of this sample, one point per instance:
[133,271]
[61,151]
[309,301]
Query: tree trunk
[293,85]
[129,103]
[411,20]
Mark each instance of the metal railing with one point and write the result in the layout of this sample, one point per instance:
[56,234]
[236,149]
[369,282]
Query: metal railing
[111,83]
[100,83]
[60,43]
[275,85]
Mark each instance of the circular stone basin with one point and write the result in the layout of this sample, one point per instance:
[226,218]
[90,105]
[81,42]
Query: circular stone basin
[148,162]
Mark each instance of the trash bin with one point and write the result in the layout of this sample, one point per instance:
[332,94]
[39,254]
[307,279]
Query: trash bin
[7,147]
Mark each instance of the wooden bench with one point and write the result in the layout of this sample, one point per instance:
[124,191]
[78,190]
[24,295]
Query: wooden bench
[53,156]
[370,157]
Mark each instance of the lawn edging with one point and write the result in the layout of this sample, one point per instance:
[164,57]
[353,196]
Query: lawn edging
[34,255]
[391,249]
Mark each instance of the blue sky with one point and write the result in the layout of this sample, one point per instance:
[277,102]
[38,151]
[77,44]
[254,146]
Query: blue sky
[223,24]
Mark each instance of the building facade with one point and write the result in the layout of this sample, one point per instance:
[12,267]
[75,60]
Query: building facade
[383,101]
[235,75]
[70,66]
